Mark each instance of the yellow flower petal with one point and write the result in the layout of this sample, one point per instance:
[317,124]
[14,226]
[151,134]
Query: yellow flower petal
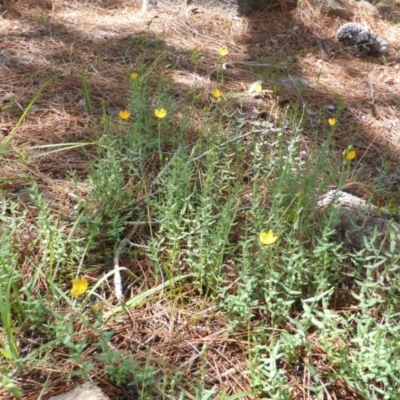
[124,114]
[223,51]
[268,238]
[332,121]
[79,286]
[134,75]
[349,155]
[160,113]
[217,93]
[255,87]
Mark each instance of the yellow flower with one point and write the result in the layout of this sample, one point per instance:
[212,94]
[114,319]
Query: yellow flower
[349,154]
[79,286]
[268,238]
[255,87]
[332,121]
[124,114]
[223,51]
[160,113]
[134,75]
[217,93]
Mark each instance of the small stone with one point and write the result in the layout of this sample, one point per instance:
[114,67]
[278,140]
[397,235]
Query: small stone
[87,391]
[311,112]
[33,110]
[22,63]
[113,110]
[293,81]
[82,103]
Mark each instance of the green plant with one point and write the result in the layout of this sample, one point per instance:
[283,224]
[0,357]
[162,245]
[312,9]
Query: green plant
[177,191]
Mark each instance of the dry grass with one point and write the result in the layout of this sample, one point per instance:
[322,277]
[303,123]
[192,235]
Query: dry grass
[62,39]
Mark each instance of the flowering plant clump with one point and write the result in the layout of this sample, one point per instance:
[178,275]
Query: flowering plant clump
[268,238]
[223,51]
[160,113]
[124,114]
[134,75]
[332,121]
[79,286]
[217,93]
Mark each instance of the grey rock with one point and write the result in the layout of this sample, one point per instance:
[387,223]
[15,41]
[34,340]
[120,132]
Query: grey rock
[373,232]
[87,391]
[292,81]
[330,107]
[359,220]
[361,39]
[101,34]
[229,7]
